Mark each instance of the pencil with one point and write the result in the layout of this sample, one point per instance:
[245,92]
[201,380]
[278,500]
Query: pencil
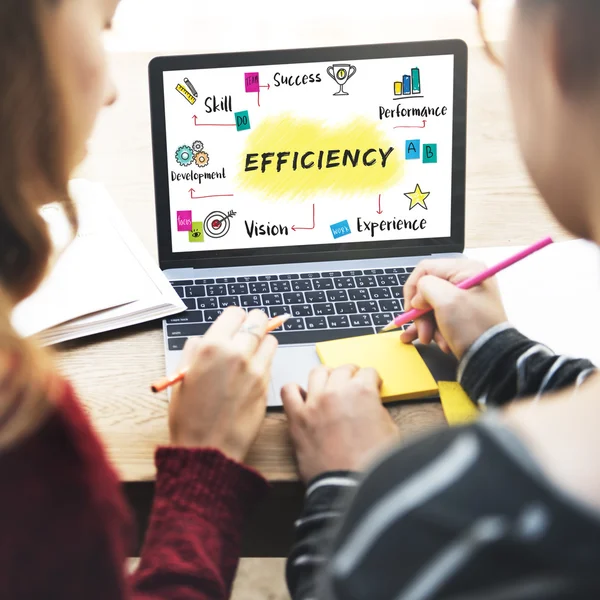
[413,314]
[166,382]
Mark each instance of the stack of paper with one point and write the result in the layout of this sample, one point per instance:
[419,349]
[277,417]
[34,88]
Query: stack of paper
[103,280]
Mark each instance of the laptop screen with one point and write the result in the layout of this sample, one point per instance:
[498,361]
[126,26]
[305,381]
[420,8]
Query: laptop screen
[309,154]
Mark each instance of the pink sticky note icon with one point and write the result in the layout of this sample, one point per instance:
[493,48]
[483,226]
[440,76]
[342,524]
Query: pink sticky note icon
[184,220]
[252,82]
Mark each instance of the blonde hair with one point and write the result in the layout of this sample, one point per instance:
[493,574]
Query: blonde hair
[32,173]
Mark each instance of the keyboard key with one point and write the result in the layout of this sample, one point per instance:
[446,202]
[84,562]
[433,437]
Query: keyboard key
[237,289]
[280,286]
[246,279]
[259,288]
[331,274]
[204,281]
[251,301]
[268,278]
[352,273]
[190,316]
[323,284]
[294,325]
[382,319]
[337,296]
[289,277]
[215,290]
[338,321]
[303,285]
[410,269]
[309,275]
[187,330]
[313,297]
[302,310]
[263,308]
[396,270]
[394,306]
[182,283]
[373,271]
[294,298]
[346,308]
[180,292]
[177,343]
[190,303]
[344,283]
[313,336]
[204,303]
[212,315]
[360,321]
[226,280]
[195,290]
[324,309]
[272,300]
[367,307]
[387,280]
[402,279]
[380,293]
[360,294]
[277,311]
[316,323]
[397,292]
[225,301]
[363,282]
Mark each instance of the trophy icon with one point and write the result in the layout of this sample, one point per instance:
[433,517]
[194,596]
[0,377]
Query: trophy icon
[341,74]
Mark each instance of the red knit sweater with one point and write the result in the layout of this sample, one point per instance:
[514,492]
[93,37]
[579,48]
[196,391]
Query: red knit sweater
[65,529]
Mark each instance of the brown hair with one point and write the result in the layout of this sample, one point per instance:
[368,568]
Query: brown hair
[579,37]
[32,173]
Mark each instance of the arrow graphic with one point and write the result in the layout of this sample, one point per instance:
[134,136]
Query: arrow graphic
[379,211]
[412,126]
[294,228]
[211,124]
[202,197]
[268,86]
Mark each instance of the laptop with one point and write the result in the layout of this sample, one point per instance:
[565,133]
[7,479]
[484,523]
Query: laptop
[308,182]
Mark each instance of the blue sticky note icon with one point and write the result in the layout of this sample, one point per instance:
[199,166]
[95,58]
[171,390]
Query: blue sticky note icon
[429,153]
[413,149]
[340,229]
[242,120]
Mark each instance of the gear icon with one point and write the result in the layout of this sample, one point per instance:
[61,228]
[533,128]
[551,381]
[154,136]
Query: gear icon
[201,159]
[198,146]
[184,156]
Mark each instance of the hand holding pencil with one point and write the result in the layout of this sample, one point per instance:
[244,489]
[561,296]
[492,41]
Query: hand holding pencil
[459,316]
[222,401]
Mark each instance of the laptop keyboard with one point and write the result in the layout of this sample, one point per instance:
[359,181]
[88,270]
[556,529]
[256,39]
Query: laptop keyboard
[324,305]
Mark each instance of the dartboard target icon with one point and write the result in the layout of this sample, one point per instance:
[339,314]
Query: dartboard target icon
[217,224]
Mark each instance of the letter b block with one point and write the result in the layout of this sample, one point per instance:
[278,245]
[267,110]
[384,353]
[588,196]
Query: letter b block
[429,153]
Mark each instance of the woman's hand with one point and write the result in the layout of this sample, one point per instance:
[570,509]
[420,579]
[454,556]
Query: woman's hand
[222,400]
[460,317]
[340,423]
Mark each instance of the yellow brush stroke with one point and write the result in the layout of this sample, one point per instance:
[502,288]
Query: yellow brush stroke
[289,134]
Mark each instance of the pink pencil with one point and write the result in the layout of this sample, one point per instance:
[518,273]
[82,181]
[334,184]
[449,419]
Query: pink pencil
[413,314]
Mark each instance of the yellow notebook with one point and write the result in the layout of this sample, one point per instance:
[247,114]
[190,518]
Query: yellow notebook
[458,407]
[404,373]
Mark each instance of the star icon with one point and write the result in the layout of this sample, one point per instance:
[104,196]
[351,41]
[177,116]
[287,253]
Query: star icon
[417,198]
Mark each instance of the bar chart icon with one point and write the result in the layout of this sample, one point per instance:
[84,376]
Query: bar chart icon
[409,86]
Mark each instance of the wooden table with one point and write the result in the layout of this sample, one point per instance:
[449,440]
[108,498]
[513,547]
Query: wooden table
[112,371]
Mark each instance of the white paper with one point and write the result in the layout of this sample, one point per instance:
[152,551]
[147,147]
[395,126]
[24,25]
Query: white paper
[553,296]
[104,279]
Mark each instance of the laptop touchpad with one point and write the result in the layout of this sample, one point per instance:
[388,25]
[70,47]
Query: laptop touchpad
[292,364]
